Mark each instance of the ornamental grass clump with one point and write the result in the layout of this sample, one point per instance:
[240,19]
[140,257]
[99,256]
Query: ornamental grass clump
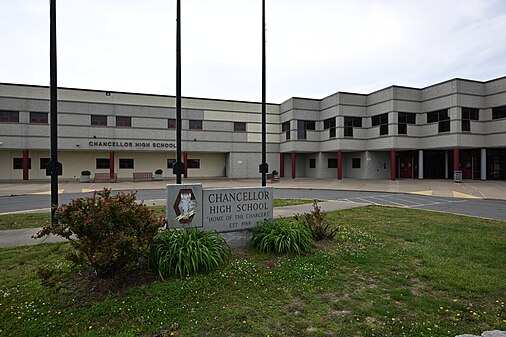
[282,236]
[318,225]
[107,232]
[182,252]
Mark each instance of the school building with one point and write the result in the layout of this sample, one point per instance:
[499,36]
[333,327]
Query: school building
[393,133]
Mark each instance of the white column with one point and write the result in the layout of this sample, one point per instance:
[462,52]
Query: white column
[483,164]
[420,164]
[446,164]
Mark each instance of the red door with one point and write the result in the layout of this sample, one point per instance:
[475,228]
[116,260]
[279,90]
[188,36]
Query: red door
[467,165]
[406,169]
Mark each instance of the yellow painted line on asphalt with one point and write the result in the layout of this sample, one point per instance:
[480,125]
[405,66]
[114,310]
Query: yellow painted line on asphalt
[85,190]
[49,192]
[462,195]
[422,192]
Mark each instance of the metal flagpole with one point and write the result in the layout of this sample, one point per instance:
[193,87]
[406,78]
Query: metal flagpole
[178,167]
[264,167]
[54,168]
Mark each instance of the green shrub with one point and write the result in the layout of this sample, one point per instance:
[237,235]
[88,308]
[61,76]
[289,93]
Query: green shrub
[281,236]
[107,232]
[317,224]
[182,252]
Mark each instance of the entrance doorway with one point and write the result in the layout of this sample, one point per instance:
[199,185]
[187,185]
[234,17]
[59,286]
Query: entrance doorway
[467,166]
[407,167]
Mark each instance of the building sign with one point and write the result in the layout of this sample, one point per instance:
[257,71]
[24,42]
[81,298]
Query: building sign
[231,209]
[131,145]
[219,209]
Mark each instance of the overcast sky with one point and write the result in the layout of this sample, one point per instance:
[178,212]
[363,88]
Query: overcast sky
[314,48]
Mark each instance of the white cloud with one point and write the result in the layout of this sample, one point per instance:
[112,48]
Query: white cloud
[314,48]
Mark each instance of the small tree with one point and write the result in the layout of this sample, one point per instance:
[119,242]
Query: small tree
[107,232]
[318,225]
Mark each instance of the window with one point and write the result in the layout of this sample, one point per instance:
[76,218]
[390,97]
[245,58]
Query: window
[432,117]
[330,124]
[382,121]
[195,124]
[332,163]
[405,118]
[355,163]
[126,163]
[440,116]
[103,163]
[9,116]
[99,120]
[350,123]
[499,112]
[469,114]
[193,163]
[17,163]
[312,163]
[125,122]
[38,117]
[285,127]
[239,127]
[170,163]
[172,123]
[43,163]
[303,126]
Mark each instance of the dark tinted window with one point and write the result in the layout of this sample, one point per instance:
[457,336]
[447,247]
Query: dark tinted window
[382,121]
[332,163]
[17,163]
[123,121]
[38,117]
[310,125]
[43,163]
[407,118]
[499,112]
[126,163]
[285,127]
[471,113]
[102,163]
[193,163]
[442,117]
[432,117]
[330,124]
[239,126]
[312,163]
[170,163]
[195,124]
[172,123]
[355,163]
[9,116]
[99,120]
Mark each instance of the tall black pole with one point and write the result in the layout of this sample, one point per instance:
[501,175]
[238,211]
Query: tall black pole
[179,166]
[53,112]
[264,166]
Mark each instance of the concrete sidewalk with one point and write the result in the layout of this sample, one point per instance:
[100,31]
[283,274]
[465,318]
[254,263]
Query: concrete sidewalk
[23,237]
[490,189]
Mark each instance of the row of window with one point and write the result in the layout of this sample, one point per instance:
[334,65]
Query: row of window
[404,118]
[102,163]
[101,120]
[332,163]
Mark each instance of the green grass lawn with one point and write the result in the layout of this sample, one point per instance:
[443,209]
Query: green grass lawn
[389,272]
[35,220]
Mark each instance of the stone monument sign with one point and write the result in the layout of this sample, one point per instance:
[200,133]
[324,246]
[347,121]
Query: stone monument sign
[218,209]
